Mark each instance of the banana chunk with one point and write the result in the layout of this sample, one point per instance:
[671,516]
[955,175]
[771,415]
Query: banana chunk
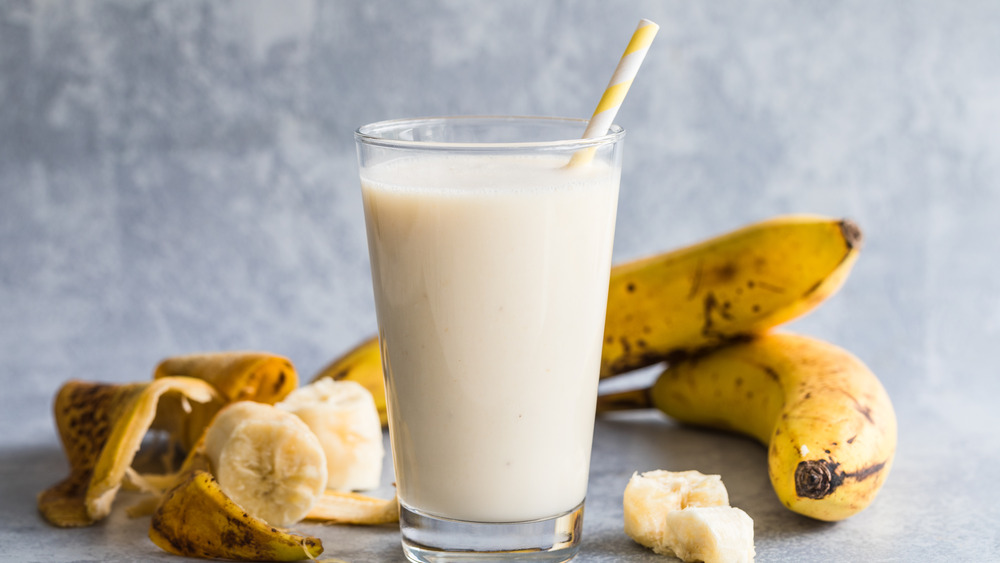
[267,461]
[713,534]
[344,417]
[687,514]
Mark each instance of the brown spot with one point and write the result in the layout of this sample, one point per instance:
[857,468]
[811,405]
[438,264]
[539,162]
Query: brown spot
[610,340]
[280,382]
[739,381]
[695,281]
[630,288]
[864,410]
[813,288]
[851,439]
[771,287]
[726,271]
[772,373]
[709,305]
[852,233]
[867,472]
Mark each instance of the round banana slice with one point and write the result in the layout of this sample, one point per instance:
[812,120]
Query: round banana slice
[343,416]
[267,461]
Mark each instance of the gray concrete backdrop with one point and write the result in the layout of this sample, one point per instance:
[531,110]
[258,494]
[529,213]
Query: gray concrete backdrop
[180,176]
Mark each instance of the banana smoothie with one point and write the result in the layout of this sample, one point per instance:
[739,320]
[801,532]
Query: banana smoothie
[490,276]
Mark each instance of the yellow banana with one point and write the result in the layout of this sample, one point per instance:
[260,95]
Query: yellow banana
[361,364]
[744,282]
[827,421]
[676,303]
[197,519]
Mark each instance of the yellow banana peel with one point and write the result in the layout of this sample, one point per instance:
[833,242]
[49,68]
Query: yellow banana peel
[102,426]
[338,507]
[237,376]
[197,519]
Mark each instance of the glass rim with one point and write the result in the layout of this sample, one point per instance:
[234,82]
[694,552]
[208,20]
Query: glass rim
[369,134]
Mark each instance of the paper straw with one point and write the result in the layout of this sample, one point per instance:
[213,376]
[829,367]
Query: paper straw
[618,86]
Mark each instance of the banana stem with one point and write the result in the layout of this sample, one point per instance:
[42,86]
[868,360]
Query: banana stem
[624,400]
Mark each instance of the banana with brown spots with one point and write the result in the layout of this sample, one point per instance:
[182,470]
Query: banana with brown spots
[674,304]
[827,421]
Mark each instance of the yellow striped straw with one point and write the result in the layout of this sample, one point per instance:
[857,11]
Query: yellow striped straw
[611,100]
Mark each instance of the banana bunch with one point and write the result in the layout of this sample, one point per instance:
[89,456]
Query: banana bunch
[720,298]
[825,418]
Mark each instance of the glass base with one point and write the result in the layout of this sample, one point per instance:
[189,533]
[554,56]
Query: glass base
[429,539]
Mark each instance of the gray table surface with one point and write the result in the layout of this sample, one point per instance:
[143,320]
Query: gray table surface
[179,176]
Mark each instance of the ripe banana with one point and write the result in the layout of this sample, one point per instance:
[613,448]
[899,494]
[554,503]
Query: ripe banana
[686,514]
[676,303]
[197,519]
[266,460]
[343,416]
[362,364]
[744,282]
[825,418]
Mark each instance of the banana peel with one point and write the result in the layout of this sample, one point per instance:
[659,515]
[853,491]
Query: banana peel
[102,426]
[197,519]
[237,376]
[339,507]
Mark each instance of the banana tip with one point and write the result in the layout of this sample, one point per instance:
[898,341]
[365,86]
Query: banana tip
[852,233]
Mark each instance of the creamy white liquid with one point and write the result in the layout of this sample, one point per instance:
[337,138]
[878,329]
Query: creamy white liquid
[491,278]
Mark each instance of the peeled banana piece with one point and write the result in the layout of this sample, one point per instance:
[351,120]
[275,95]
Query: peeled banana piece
[197,519]
[363,365]
[266,460]
[713,534]
[826,420]
[343,416]
[686,514]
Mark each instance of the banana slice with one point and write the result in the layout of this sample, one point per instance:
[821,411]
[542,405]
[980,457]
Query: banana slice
[687,514]
[713,534]
[343,416]
[267,460]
